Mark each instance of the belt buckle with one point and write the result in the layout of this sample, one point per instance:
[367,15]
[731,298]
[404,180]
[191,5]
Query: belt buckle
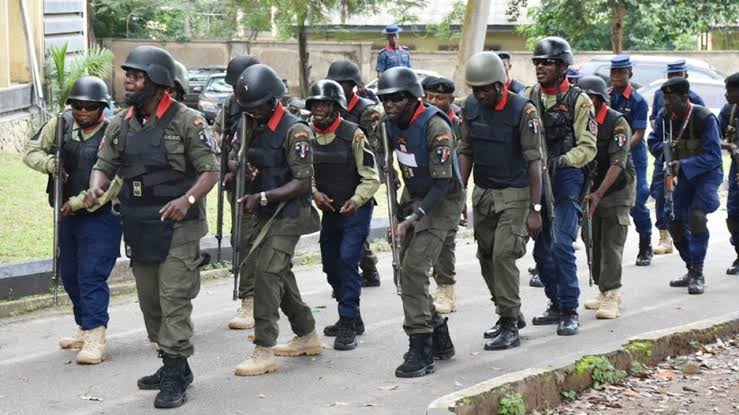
[137,189]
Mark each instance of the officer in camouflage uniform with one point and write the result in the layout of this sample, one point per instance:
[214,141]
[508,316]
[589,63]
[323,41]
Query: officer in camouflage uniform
[278,185]
[692,132]
[163,152]
[89,239]
[422,139]
[365,113]
[226,124]
[345,181]
[569,130]
[728,121]
[440,93]
[501,139]
[613,193]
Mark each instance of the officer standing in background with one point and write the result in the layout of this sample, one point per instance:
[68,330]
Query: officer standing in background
[278,186]
[612,194]
[635,109]
[513,85]
[393,55]
[89,239]
[569,130]
[226,125]
[676,69]
[573,75]
[181,82]
[345,180]
[363,112]
[728,121]
[440,93]
[164,154]
[501,140]
[692,131]
[432,198]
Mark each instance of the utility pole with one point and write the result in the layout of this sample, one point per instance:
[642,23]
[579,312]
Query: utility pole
[474,29]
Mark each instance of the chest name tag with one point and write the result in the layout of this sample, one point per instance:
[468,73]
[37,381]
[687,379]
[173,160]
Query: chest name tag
[137,189]
[406,159]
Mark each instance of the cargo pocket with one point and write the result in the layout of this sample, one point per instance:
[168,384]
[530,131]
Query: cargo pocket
[520,235]
[275,254]
[176,154]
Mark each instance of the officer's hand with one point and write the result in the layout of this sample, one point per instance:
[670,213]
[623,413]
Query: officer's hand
[534,224]
[227,178]
[675,166]
[175,209]
[65,175]
[92,195]
[402,229]
[250,202]
[251,172]
[323,202]
[67,210]
[463,217]
[349,208]
[593,199]
[556,162]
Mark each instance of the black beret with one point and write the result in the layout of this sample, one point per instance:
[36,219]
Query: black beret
[677,85]
[440,85]
[732,81]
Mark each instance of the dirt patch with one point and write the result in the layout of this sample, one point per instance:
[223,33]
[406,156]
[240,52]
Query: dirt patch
[704,382]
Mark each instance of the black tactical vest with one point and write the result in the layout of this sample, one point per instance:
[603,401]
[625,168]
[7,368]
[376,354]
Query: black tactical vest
[691,144]
[516,86]
[356,113]
[232,115]
[149,180]
[603,163]
[334,166]
[731,135]
[266,153]
[496,144]
[558,121]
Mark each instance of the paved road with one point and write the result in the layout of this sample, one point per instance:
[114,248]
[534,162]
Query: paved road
[38,378]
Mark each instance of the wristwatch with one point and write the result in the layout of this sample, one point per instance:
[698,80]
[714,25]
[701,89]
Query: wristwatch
[263,199]
[536,207]
[191,199]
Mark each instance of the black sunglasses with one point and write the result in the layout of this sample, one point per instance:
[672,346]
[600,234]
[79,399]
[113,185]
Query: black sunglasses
[545,62]
[397,97]
[88,106]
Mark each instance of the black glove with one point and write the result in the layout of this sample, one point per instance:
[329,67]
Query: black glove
[553,163]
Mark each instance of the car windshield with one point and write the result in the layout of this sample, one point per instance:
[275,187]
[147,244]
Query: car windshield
[201,74]
[218,84]
[712,95]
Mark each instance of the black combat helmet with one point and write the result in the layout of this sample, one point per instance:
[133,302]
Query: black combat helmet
[156,62]
[594,85]
[326,90]
[258,84]
[399,79]
[89,88]
[554,47]
[345,70]
[237,65]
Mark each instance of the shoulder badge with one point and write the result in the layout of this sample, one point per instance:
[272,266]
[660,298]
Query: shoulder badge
[620,139]
[534,126]
[586,105]
[302,149]
[197,122]
[592,125]
[443,153]
[442,137]
[206,139]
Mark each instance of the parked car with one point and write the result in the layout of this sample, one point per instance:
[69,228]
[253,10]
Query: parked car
[648,68]
[198,77]
[421,73]
[213,96]
[712,92]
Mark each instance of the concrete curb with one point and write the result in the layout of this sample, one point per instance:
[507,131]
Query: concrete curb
[542,388]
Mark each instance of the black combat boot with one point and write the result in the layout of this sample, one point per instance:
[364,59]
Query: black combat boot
[507,337]
[173,384]
[331,331]
[495,330]
[696,280]
[569,323]
[550,316]
[645,255]
[442,347]
[370,279]
[735,266]
[535,280]
[151,382]
[419,360]
[681,281]
[346,338]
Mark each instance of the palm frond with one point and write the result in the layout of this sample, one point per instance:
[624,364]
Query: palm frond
[63,73]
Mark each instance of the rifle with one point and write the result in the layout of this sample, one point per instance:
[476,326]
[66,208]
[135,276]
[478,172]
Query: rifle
[225,149]
[588,233]
[546,181]
[239,206]
[392,208]
[731,136]
[670,179]
[58,196]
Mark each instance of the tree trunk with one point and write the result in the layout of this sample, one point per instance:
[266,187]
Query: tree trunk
[618,15]
[304,68]
[187,31]
[474,29]
[91,39]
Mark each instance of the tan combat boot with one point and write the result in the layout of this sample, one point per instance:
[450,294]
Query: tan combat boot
[594,303]
[262,361]
[244,318]
[93,351]
[609,307]
[310,344]
[445,301]
[73,342]
[665,243]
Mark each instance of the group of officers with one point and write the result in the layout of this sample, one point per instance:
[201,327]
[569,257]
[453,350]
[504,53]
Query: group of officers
[544,159]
